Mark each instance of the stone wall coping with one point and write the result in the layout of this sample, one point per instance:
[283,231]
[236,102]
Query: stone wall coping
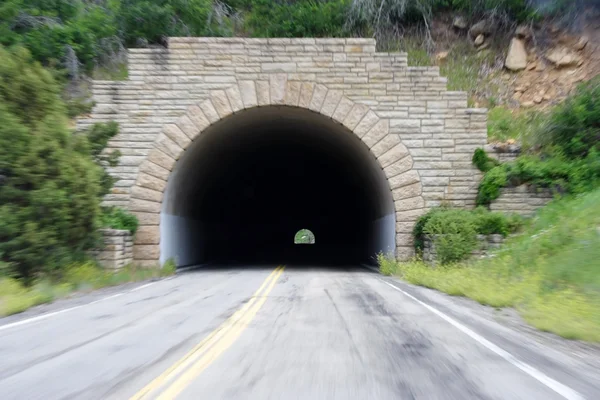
[115,232]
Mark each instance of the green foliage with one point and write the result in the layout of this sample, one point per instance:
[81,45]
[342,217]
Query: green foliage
[303,18]
[117,218]
[574,126]
[97,139]
[504,124]
[16,297]
[568,151]
[168,268]
[483,162]
[550,272]
[454,234]
[387,264]
[49,197]
[454,231]
[304,236]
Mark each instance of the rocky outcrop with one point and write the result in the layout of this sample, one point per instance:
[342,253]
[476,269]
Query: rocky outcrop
[516,59]
[563,57]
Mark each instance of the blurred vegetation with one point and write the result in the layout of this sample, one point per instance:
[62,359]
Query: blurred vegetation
[549,273]
[16,297]
[454,231]
[52,179]
[564,152]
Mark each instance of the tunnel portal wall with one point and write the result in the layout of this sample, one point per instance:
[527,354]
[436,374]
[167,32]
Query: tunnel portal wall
[422,135]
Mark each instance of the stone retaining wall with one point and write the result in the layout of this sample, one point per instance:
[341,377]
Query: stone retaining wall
[484,243]
[523,200]
[117,251]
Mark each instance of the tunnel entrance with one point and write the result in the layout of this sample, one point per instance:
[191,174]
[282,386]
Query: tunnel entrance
[304,236]
[247,183]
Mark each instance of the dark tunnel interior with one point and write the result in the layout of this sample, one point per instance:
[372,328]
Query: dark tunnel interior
[250,182]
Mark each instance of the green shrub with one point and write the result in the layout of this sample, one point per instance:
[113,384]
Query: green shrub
[49,195]
[489,223]
[454,234]
[168,268]
[303,18]
[484,162]
[574,126]
[454,231]
[387,264]
[117,218]
[568,151]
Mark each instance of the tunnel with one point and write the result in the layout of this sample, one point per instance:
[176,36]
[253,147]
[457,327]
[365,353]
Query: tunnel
[247,185]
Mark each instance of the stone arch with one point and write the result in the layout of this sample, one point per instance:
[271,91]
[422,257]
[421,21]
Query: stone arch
[391,155]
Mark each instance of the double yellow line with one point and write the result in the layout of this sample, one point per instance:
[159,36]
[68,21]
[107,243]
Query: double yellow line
[174,380]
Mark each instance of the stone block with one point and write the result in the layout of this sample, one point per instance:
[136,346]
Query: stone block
[263,91]
[248,93]
[235,98]
[147,234]
[318,97]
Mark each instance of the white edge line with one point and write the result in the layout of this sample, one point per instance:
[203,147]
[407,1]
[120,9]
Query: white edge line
[558,387]
[51,314]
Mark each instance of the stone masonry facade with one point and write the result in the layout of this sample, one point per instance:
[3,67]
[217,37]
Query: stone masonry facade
[523,200]
[117,250]
[422,135]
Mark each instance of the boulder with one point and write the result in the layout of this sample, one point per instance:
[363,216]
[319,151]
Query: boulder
[523,32]
[516,59]
[460,22]
[563,57]
[479,40]
[483,27]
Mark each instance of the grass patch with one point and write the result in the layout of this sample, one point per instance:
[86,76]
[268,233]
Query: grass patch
[505,124]
[550,273]
[16,298]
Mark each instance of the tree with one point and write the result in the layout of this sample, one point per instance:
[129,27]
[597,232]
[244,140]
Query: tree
[50,187]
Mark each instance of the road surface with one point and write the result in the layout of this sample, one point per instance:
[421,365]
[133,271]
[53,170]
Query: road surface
[273,333]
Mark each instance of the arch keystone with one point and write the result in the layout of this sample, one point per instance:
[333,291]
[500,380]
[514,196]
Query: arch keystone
[263,93]
[248,92]
[292,93]
[277,86]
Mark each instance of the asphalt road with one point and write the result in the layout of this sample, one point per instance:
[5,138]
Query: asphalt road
[265,333]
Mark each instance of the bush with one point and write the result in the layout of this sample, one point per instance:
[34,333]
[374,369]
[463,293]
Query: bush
[574,127]
[568,151]
[117,218]
[483,162]
[303,18]
[454,231]
[50,188]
